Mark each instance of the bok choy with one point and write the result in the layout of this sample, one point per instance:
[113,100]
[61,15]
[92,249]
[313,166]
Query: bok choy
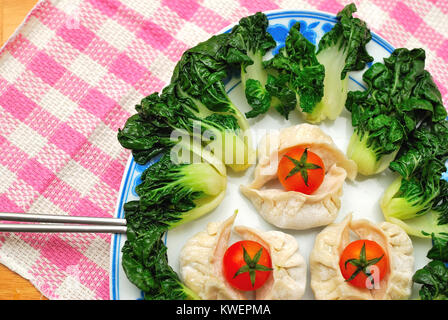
[418,199]
[434,275]
[341,50]
[247,44]
[296,78]
[399,94]
[170,194]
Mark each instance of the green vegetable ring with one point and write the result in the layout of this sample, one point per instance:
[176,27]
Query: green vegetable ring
[399,123]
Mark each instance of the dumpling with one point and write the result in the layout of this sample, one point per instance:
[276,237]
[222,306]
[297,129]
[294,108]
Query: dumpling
[289,275]
[202,255]
[295,210]
[201,263]
[327,281]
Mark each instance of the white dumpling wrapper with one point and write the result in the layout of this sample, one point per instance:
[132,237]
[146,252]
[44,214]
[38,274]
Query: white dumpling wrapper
[327,281]
[202,255]
[288,278]
[201,263]
[295,210]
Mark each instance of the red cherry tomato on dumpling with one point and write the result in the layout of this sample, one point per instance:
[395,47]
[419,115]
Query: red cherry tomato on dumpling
[247,265]
[363,262]
[301,170]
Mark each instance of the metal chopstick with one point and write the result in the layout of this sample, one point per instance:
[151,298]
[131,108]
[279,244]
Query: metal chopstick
[41,228]
[55,223]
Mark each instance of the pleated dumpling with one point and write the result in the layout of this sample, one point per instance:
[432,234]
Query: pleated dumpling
[291,209]
[327,281]
[202,255]
[289,267]
[201,262]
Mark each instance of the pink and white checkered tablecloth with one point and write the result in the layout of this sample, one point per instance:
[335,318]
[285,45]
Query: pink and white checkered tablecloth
[71,76]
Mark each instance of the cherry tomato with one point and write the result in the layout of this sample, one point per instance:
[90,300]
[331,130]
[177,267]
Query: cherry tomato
[247,265]
[301,170]
[364,263]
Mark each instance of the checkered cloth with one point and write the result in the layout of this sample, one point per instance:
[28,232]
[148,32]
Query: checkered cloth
[70,77]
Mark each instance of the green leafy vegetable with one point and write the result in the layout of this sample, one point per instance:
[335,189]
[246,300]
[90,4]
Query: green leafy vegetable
[439,250]
[249,41]
[399,95]
[149,132]
[434,276]
[164,119]
[198,78]
[283,99]
[145,259]
[295,67]
[418,199]
[341,50]
[180,187]
[195,125]
[139,136]
[173,194]
[170,194]
[258,98]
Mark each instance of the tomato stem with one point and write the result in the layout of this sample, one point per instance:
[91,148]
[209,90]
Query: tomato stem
[302,166]
[251,265]
[362,264]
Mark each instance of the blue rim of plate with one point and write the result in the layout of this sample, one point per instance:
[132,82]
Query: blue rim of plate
[116,243]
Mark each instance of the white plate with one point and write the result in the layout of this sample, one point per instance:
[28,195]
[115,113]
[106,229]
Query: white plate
[360,197]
